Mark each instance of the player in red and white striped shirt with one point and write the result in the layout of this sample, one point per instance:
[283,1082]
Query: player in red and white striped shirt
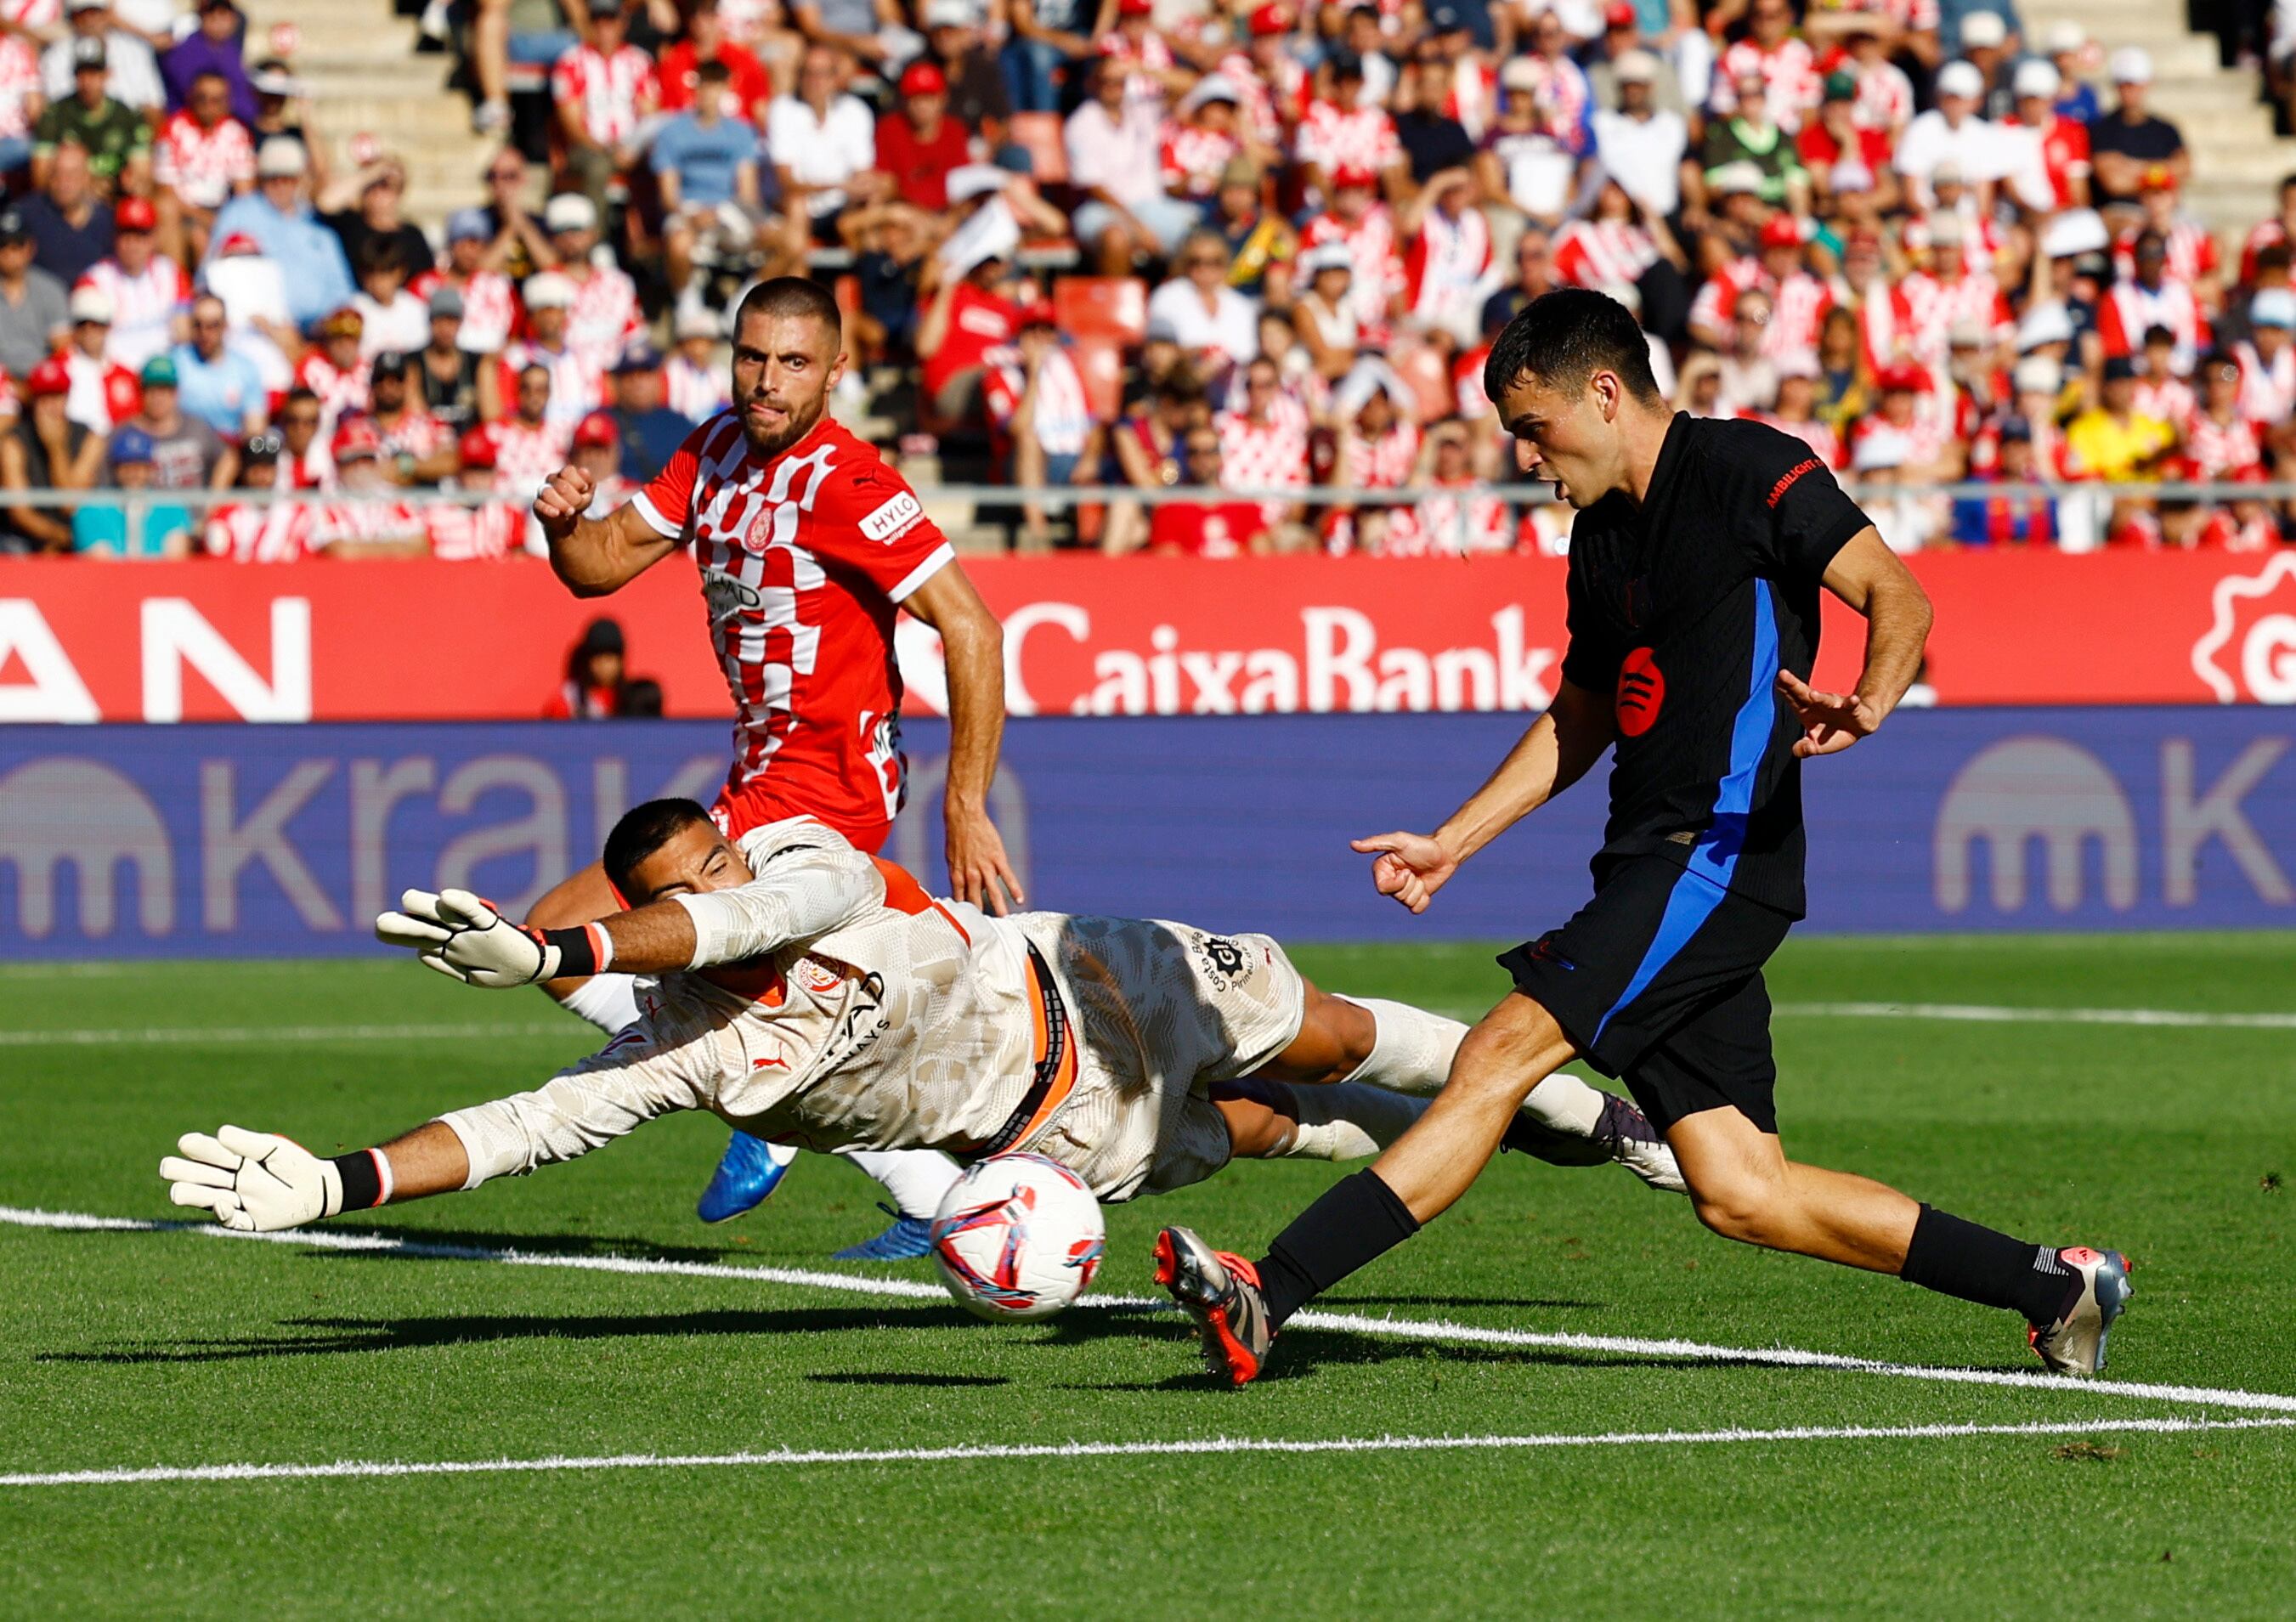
[147,290]
[808,545]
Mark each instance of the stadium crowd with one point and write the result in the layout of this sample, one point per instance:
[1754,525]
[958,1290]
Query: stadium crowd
[1216,246]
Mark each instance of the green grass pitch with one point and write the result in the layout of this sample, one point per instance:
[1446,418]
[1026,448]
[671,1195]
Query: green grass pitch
[121,1349]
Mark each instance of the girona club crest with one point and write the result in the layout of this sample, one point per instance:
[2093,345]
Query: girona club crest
[2248,651]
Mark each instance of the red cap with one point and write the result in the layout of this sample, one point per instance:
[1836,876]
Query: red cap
[1353,175]
[51,376]
[1904,375]
[478,447]
[923,79]
[357,437]
[1269,20]
[1619,14]
[135,214]
[1781,231]
[1135,8]
[597,428]
[1037,315]
[238,241]
[2157,177]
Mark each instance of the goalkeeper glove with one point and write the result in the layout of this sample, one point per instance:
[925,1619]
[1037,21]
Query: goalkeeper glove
[258,1182]
[465,939]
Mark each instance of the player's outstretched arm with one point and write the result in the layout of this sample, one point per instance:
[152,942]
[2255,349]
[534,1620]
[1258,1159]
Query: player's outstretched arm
[1871,579]
[594,556]
[1558,749]
[260,1182]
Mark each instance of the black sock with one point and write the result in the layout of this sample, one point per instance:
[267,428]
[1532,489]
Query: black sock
[1358,1220]
[1959,1258]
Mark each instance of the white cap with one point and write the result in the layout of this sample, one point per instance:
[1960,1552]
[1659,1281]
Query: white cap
[570,212]
[2038,374]
[91,304]
[1796,363]
[1524,73]
[2076,231]
[1961,79]
[1984,29]
[2045,323]
[971,180]
[2273,306]
[1945,231]
[1968,334]
[281,155]
[2129,65]
[548,291]
[1330,256]
[950,14]
[1850,175]
[1739,175]
[1637,67]
[1211,87]
[2037,78]
[698,323]
[1878,449]
[2065,36]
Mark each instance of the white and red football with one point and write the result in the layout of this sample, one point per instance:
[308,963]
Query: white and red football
[1017,1238]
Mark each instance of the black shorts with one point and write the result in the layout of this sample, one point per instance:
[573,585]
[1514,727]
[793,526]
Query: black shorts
[1658,980]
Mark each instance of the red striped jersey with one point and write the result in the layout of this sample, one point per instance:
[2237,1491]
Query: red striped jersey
[1345,137]
[462,535]
[1370,241]
[270,532]
[2192,252]
[2218,450]
[104,393]
[1790,70]
[143,308]
[1602,253]
[604,317]
[2129,307]
[577,383]
[490,310]
[611,91]
[804,557]
[1269,109]
[2268,389]
[1192,158]
[202,166]
[696,393]
[19,79]
[1447,269]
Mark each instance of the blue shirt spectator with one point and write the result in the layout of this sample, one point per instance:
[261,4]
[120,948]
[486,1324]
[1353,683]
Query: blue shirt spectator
[216,384]
[279,219]
[706,155]
[155,532]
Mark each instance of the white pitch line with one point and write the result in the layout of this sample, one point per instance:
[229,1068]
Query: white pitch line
[1406,1329]
[192,1036]
[786,1457]
[1987,1013]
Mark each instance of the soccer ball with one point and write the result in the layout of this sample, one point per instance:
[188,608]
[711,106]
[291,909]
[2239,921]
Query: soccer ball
[1017,1238]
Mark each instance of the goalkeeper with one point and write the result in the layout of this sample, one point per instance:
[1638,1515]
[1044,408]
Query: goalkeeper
[815,995]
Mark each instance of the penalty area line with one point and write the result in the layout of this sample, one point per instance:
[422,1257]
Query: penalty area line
[785,1458]
[1394,1328]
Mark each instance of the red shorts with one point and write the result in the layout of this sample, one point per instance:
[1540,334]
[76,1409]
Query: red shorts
[737,811]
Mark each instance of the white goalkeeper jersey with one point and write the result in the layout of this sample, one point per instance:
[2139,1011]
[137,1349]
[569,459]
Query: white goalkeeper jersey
[857,1012]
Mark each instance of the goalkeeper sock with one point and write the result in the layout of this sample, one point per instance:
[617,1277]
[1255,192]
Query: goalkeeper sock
[916,1178]
[1358,1220]
[1977,1264]
[1350,1121]
[608,1001]
[1411,1049]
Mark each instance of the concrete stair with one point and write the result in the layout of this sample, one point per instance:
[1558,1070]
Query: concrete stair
[2237,159]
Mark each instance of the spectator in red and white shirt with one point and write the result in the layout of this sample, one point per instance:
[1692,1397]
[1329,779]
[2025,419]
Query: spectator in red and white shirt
[2221,441]
[2150,298]
[530,443]
[604,88]
[104,394]
[1210,529]
[1355,218]
[748,86]
[577,383]
[1038,405]
[1264,445]
[966,314]
[2248,524]
[22,101]
[2049,142]
[1336,134]
[307,460]
[1153,75]
[1795,411]
[259,532]
[415,448]
[1113,159]
[1461,521]
[2191,247]
[2278,232]
[597,451]
[370,526]
[1272,81]
[2268,359]
[203,159]
[604,316]
[1201,140]
[2160,392]
[335,368]
[1915,322]
[149,292]
[1376,448]
[486,531]
[693,380]
[1447,270]
[1787,64]
[1799,300]
[490,310]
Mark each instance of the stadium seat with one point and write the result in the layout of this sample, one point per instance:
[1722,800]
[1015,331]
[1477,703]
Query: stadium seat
[1102,307]
[1099,363]
[1040,135]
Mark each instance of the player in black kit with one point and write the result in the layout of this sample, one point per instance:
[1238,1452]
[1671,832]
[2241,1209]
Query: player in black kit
[1696,559]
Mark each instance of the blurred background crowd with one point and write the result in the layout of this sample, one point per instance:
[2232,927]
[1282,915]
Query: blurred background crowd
[1247,255]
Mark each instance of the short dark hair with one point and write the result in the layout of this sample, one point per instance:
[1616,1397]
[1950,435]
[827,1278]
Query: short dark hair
[791,296]
[640,833]
[1563,338]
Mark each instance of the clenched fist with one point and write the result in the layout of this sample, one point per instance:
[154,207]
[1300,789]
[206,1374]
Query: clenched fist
[563,500]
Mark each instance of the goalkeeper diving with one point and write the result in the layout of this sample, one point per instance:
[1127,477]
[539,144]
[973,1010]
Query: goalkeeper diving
[815,995]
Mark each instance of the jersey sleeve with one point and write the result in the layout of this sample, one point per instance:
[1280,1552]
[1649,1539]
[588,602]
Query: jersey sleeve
[1592,660]
[807,880]
[667,502]
[651,1069]
[867,517]
[1806,517]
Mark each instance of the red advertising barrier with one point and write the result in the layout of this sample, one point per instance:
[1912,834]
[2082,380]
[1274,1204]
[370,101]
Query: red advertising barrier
[429,640]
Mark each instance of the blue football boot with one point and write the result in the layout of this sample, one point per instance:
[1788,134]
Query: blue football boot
[749,1171]
[907,1239]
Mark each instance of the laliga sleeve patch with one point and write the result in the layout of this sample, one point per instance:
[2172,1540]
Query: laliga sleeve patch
[1642,692]
[893,517]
